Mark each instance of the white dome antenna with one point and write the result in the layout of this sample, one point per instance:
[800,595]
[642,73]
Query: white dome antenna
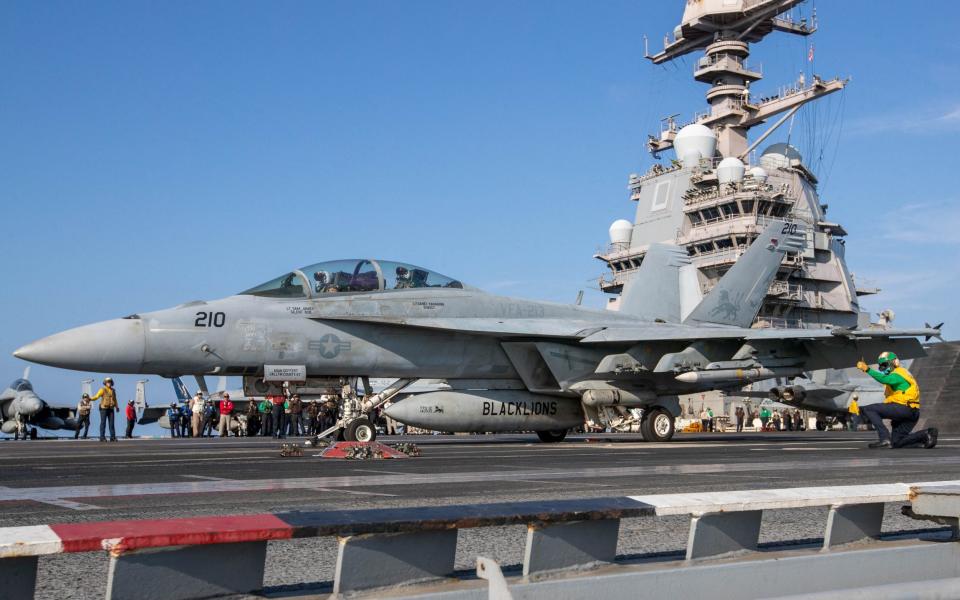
[620,232]
[693,142]
[730,170]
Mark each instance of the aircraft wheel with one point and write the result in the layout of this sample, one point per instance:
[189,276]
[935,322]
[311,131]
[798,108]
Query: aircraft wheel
[657,425]
[360,430]
[33,434]
[553,436]
[821,425]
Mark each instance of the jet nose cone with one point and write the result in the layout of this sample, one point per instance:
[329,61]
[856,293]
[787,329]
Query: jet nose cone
[30,405]
[115,346]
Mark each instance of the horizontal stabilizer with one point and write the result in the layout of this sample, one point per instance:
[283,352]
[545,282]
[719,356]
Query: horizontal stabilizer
[737,297]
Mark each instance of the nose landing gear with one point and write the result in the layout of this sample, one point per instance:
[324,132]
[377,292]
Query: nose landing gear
[355,424]
[360,430]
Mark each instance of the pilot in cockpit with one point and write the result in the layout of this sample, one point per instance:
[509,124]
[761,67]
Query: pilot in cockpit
[322,282]
[403,279]
[320,279]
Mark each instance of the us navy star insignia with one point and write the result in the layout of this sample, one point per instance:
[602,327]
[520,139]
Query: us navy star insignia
[329,346]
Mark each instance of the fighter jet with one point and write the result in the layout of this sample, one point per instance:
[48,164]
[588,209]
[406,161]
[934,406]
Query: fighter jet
[21,408]
[511,364]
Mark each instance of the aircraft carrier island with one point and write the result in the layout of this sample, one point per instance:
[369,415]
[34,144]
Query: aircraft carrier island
[544,453]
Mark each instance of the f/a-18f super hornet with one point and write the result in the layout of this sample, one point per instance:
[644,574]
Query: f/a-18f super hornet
[511,364]
[833,394]
[21,408]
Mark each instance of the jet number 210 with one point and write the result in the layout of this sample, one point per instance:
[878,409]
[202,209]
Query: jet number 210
[788,228]
[210,319]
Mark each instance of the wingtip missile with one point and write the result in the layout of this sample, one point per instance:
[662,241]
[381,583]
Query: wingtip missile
[936,328]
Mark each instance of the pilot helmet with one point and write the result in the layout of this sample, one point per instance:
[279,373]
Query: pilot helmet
[226,396]
[129,401]
[402,272]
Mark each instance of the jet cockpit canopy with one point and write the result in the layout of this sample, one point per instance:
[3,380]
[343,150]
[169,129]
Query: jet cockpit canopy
[21,385]
[351,275]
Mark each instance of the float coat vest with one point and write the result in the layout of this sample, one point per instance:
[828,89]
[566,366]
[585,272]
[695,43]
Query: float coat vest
[908,397]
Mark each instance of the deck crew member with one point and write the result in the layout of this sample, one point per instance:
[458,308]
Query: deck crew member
[278,403]
[186,419]
[296,424]
[131,414]
[196,416]
[901,404]
[108,405]
[173,415]
[226,411]
[83,416]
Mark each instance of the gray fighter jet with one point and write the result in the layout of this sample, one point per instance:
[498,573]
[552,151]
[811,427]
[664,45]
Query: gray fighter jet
[511,364]
[830,393]
[21,408]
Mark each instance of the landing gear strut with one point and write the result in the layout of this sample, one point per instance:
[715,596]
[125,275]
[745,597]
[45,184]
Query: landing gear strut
[355,425]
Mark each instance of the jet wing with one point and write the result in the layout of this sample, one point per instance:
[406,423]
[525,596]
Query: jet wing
[679,333]
[552,328]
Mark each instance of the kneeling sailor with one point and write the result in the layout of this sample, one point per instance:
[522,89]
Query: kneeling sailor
[901,405]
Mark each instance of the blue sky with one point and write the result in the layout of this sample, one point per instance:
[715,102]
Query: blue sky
[154,153]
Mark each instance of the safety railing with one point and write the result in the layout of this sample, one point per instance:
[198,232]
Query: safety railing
[381,548]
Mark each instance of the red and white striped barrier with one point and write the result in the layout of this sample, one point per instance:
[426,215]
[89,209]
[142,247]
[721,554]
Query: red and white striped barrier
[207,556]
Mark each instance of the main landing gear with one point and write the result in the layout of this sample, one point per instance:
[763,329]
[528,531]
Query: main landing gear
[552,437]
[657,425]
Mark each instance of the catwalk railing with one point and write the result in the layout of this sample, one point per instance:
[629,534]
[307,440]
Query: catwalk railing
[570,548]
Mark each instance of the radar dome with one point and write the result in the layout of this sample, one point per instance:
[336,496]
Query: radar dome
[621,231]
[694,142]
[730,170]
[779,156]
[759,174]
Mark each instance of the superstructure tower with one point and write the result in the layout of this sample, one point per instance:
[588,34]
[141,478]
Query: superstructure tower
[715,195]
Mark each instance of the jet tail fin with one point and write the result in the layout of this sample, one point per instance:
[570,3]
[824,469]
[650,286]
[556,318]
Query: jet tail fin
[653,293]
[737,297]
[180,389]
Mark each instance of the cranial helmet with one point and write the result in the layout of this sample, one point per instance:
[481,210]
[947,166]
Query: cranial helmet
[887,360]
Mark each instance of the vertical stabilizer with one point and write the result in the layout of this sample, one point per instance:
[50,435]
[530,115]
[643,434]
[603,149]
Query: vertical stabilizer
[653,293]
[737,297]
[183,394]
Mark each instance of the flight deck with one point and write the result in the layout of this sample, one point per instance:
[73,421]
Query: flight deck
[68,481]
